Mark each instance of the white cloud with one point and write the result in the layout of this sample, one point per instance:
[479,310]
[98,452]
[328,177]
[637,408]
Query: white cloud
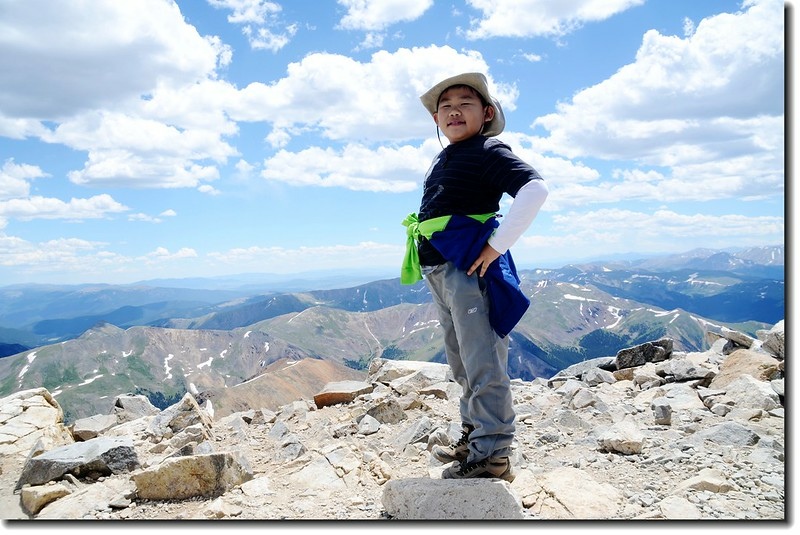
[262,25]
[144,217]
[633,228]
[682,92]
[135,89]
[37,207]
[125,150]
[709,107]
[530,18]
[617,231]
[15,179]
[122,168]
[556,169]
[247,11]
[96,54]
[150,219]
[109,130]
[244,168]
[16,128]
[355,167]
[380,14]
[344,99]
[64,254]
[208,190]
[162,254]
[283,260]
[372,40]
[266,39]
[199,105]
[743,179]
[165,129]
[72,257]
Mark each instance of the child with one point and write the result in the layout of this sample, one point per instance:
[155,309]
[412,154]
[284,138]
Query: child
[459,246]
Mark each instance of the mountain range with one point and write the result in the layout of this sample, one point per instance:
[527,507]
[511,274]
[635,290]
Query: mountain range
[89,343]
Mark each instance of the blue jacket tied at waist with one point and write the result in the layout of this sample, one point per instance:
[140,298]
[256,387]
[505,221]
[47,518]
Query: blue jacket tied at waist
[460,242]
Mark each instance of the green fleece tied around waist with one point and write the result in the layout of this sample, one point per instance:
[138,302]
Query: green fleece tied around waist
[411,271]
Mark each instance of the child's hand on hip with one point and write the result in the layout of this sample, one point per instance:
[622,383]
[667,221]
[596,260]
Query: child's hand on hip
[481,264]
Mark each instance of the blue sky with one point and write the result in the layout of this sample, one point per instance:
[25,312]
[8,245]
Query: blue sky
[150,139]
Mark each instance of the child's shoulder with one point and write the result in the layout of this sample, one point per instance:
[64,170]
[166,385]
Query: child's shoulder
[492,143]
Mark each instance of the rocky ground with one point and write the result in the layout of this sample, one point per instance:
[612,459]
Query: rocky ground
[696,436]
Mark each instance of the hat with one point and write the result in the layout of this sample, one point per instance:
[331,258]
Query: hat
[476,81]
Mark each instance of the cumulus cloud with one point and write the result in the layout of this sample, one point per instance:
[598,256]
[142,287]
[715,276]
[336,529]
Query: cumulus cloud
[638,228]
[682,91]
[599,233]
[128,78]
[346,99]
[110,52]
[379,14]
[15,179]
[708,107]
[281,259]
[266,39]
[69,257]
[151,219]
[63,254]
[247,11]
[355,167]
[208,190]
[162,254]
[38,207]
[531,18]
[261,22]
[172,126]
[120,167]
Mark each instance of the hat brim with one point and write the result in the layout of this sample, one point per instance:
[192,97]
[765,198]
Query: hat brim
[477,81]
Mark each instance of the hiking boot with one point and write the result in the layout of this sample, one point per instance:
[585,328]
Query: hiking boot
[456,451]
[495,467]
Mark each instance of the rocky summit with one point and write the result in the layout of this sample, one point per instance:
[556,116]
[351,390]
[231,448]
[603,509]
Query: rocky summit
[648,434]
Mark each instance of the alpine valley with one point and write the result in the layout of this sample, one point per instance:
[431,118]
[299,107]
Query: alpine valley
[260,342]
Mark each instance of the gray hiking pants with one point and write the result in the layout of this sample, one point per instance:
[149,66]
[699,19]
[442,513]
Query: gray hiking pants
[478,358]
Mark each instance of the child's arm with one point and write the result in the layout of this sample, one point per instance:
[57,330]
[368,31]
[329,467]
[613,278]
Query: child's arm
[523,211]
[521,214]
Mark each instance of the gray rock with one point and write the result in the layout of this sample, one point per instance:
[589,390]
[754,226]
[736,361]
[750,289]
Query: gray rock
[180,478]
[774,340]
[434,499]
[129,407]
[101,455]
[643,353]
[93,426]
[662,411]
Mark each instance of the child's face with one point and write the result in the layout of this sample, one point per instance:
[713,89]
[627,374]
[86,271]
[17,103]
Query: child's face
[461,113]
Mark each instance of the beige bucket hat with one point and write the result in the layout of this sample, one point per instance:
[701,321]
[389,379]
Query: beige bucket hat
[477,81]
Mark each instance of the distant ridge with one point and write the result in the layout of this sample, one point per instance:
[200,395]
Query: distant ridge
[269,282]
[89,341]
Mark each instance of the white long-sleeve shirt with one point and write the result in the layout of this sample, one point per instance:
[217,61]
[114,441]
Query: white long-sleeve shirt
[521,214]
